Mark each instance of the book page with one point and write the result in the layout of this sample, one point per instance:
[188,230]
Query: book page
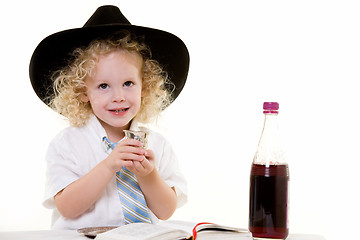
[142,231]
[210,230]
[217,227]
[172,230]
[181,225]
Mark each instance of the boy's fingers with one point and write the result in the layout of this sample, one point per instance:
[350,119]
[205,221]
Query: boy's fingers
[130,142]
[128,165]
[138,166]
[131,149]
[132,157]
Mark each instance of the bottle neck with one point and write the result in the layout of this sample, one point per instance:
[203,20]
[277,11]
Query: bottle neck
[271,124]
[269,151]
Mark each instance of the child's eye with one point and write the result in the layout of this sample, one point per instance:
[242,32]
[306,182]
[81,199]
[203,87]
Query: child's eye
[128,84]
[103,86]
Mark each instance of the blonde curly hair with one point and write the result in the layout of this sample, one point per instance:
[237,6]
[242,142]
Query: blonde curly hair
[69,83]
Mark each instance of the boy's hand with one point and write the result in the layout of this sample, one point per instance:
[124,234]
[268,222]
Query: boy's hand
[125,154]
[144,167]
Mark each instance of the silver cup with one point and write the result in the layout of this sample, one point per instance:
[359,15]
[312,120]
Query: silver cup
[141,136]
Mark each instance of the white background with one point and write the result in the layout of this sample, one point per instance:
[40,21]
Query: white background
[304,54]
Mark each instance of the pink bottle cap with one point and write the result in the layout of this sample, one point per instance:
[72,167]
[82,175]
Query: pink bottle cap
[271,107]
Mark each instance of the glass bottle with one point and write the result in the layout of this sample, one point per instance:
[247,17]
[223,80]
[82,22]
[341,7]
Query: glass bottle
[269,179]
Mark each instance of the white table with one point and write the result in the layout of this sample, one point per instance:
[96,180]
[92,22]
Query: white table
[43,235]
[74,235]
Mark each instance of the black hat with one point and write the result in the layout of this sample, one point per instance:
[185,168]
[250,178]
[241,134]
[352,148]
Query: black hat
[53,52]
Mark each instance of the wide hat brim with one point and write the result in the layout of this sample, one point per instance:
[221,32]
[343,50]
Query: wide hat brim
[53,53]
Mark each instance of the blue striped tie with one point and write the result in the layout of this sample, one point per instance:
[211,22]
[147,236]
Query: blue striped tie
[132,199]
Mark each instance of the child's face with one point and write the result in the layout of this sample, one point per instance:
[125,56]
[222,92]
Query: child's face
[114,90]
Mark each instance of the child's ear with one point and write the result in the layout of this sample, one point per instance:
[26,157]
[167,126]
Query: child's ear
[84,97]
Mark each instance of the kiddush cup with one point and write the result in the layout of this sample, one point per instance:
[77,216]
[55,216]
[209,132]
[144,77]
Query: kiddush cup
[141,136]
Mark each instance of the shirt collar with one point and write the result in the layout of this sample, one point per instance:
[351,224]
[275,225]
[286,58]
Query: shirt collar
[95,126]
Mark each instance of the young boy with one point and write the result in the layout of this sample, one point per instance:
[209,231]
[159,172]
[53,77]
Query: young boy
[105,78]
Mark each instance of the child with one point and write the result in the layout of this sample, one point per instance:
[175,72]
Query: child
[107,77]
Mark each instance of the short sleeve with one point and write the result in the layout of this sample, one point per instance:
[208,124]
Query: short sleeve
[62,169]
[168,166]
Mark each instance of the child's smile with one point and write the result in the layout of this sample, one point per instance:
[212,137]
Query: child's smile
[119,112]
[114,91]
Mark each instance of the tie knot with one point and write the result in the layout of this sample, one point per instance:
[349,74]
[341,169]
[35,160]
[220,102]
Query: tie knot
[108,143]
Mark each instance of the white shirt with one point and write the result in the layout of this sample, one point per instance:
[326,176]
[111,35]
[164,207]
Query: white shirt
[77,150]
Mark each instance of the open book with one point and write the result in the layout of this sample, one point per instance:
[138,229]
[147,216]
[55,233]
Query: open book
[173,230]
